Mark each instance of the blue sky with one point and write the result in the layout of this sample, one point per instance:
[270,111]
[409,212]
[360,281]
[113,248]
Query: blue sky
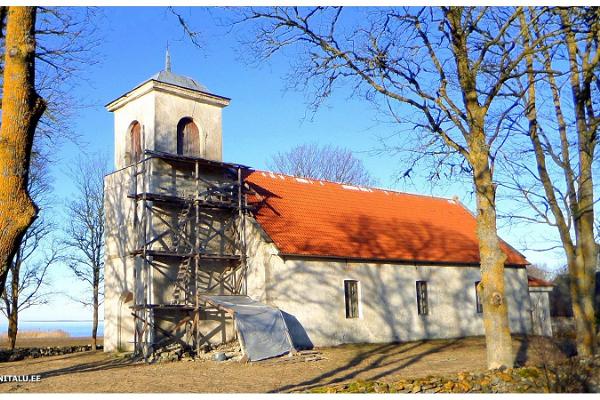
[263,117]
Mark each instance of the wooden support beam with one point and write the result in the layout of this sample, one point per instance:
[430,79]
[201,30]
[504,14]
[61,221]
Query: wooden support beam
[165,332]
[217,211]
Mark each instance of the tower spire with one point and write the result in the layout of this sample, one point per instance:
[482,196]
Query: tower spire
[167,60]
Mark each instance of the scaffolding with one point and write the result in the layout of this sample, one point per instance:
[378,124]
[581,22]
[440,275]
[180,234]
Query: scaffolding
[189,220]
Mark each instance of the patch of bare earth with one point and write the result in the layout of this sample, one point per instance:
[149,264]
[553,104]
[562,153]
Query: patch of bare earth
[103,372]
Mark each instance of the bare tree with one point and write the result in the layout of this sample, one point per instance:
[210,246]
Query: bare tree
[441,70]
[553,170]
[27,284]
[332,163]
[85,230]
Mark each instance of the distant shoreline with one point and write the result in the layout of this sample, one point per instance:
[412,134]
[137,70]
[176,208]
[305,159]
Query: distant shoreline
[75,328]
[60,320]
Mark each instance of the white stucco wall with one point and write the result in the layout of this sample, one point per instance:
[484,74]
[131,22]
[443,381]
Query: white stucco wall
[142,110]
[118,266]
[171,109]
[312,290]
[159,107]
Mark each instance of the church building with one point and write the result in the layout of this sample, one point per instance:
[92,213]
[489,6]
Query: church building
[200,251]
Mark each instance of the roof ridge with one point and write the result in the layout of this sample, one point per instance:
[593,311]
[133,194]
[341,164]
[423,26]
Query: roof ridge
[363,186]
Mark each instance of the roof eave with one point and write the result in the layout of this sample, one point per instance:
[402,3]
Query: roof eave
[119,101]
[392,260]
[134,93]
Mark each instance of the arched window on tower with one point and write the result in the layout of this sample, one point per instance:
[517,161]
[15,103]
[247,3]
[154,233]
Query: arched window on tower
[188,138]
[134,143]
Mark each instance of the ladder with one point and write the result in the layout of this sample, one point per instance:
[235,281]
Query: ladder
[182,224]
[182,281]
[183,278]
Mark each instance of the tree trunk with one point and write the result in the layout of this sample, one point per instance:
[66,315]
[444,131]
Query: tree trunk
[495,309]
[95,321]
[583,269]
[12,328]
[586,259]
[22,108]
[580,253]
[13,315]
[582,295]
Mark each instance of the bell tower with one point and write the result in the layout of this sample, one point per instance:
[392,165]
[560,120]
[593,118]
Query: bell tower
[169,113]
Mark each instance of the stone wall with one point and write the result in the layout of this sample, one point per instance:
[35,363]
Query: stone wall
[22,353]
[571,376]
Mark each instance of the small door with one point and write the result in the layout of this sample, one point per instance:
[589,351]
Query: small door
[540,313]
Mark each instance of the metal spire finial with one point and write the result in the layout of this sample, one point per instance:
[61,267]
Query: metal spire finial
[168,60]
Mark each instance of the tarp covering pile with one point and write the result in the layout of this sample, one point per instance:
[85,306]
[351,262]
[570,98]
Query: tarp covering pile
[261,328]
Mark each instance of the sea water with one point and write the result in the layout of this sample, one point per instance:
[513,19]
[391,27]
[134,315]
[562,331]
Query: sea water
[73,328]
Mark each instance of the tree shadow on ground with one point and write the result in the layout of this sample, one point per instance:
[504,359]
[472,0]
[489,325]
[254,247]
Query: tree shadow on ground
[542,350]
[382,356]
[102,365]
[386,360]
[522,352]
[43,360]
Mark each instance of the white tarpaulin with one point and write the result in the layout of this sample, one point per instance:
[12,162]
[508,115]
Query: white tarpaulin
[261,328]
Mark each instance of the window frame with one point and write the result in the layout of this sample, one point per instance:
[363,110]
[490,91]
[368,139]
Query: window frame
[422,296]
[478,303]
[348,300]
[134,146]
[183,139]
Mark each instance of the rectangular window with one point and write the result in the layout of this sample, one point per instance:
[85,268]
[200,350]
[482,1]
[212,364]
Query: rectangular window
[478,303]
[422,305]
[351,294]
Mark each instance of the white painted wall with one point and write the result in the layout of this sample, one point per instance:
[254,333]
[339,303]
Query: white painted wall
[140,109]
[170,109]
[312,290]
[159,107]
[118,266]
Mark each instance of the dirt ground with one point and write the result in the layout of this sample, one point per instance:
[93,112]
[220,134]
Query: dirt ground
[102,372]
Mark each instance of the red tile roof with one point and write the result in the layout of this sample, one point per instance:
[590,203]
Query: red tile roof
[326,219]
[537,282]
